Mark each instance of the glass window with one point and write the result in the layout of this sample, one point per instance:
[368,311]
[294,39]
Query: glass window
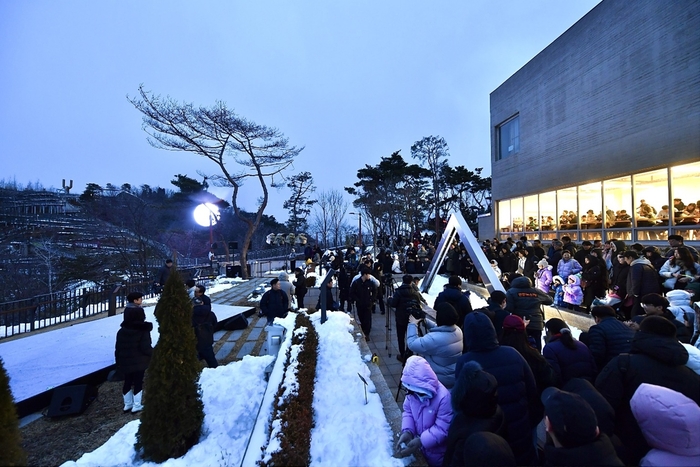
[590,201]
[686,194]
[516,214]
[504,216]
[568,212]
[548,211]
[651,196]
[618,203]
[532,220]
[508,137]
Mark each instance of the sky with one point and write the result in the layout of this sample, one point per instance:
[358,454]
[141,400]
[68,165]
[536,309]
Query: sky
[351,82]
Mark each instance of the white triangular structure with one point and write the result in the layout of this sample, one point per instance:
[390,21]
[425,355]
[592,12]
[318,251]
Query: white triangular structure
[458,227]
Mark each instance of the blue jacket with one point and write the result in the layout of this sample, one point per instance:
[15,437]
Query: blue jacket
[517,391]
[274,304]
[455,297]
[608,339]
[570,363]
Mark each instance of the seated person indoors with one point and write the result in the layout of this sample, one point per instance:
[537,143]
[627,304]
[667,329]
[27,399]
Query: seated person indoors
[663,213]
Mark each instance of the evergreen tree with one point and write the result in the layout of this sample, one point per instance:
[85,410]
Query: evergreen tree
[11,452]
[171,421]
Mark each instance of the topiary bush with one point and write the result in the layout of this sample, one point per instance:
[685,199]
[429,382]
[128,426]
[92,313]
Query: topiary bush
[293,409]
[173,413]
[11,452]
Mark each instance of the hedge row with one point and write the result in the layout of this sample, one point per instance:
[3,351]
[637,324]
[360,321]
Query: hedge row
[294,412]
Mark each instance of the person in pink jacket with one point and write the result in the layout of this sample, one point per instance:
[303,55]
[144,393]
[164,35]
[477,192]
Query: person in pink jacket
[427,413]
[669,421]
[543,276]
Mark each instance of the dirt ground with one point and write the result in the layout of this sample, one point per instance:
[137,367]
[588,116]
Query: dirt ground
[50,442]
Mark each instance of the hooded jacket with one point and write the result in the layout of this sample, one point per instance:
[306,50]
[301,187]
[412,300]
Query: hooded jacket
[455,297]
[570,363]
[429,418]
[600,452]
[524,300]
[652,359]
[441,347]
[642,278]
[543,279]
[475,405]
[573,293]
[669,421]
[133,349]
[517,391]
[567,268]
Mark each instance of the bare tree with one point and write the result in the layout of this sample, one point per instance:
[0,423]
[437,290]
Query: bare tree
[240,148]
[329,213]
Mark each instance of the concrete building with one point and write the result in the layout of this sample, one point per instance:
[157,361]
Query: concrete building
[598,134]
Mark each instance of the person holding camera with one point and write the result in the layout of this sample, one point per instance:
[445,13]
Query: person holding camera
[363,292]
[442,345]
[405,299]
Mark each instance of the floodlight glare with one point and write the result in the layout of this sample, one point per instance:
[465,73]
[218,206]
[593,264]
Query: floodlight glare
[206,214]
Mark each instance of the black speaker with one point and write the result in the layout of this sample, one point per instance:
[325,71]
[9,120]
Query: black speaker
[69,400]
[232,245]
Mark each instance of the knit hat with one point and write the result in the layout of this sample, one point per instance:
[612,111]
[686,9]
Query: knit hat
[445,314]
[543,263]
[573,420]
[514,322]
[658,325]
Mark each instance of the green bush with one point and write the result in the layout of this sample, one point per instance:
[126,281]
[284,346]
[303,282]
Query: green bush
[173,413]
[11,452]
[296,411]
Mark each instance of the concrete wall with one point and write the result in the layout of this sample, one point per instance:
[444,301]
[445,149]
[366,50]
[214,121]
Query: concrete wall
[617,93]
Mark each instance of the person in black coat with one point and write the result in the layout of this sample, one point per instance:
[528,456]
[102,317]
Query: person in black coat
[274,303]
[642,279]
[133,351]
[405,299]
[654,304]
[656,357]
[475,409]
[524,300]
[203,321]
[363,292]
[299,284]
[609,337]
[452,294]
[517,391]
[594,277]
[163,275]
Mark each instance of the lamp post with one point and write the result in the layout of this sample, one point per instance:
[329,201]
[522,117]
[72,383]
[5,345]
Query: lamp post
[359,231]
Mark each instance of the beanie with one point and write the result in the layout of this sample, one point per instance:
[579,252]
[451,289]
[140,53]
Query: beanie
[658,325]
[514,322]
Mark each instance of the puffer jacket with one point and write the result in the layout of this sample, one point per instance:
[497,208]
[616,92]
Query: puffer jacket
[133,349]
[543,279]
[573,293]
[428,418]
[441,347]
[652,359]
[455,297]
[517,391]
[567,268]
[570,363]
[405,297]
[524,300]
[608,339]
[669,421]
[642,278]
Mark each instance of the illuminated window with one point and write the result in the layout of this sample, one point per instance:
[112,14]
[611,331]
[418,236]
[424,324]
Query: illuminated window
[568,212]
[531,218]
[548,211]
[618,202]
[504,216]
[686,194]
[508,134]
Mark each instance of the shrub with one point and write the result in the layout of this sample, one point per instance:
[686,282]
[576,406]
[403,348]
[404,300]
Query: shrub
[11,452]
[173,413]
[295,412]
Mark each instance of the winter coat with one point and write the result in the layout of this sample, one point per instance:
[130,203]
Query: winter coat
[608,339]
[299,284]
[274,304]
[524,300]
[668,270]
[652,359]
[363,293]
[517,391]
[669,421]
[553,259]
[567,268]
[452,262]
[455,297]
[286,286]
[573,293]
[558,295]
[428,418]
[476,410]
[405,298]
[693,357]
[133,350]
[530,266]
[441,347]
[543,279]
[642,278]
[570,363]
[602,408]
[203,321]
[595,277]
[600,452]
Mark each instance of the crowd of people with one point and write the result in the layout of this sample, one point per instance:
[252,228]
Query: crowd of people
[482,389]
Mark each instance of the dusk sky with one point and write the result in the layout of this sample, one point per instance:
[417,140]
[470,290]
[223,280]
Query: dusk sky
[352,81]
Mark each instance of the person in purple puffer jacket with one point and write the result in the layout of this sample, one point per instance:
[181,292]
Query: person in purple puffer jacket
[573,293]
[427,413]
[669,421]
[543,276]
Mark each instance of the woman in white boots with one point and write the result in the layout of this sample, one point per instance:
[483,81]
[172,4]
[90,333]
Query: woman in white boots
[133,351]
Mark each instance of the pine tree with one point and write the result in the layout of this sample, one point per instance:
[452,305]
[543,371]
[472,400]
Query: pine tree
[171,421]
[11,452]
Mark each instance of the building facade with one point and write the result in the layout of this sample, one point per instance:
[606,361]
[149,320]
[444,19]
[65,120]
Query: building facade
[598,136]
